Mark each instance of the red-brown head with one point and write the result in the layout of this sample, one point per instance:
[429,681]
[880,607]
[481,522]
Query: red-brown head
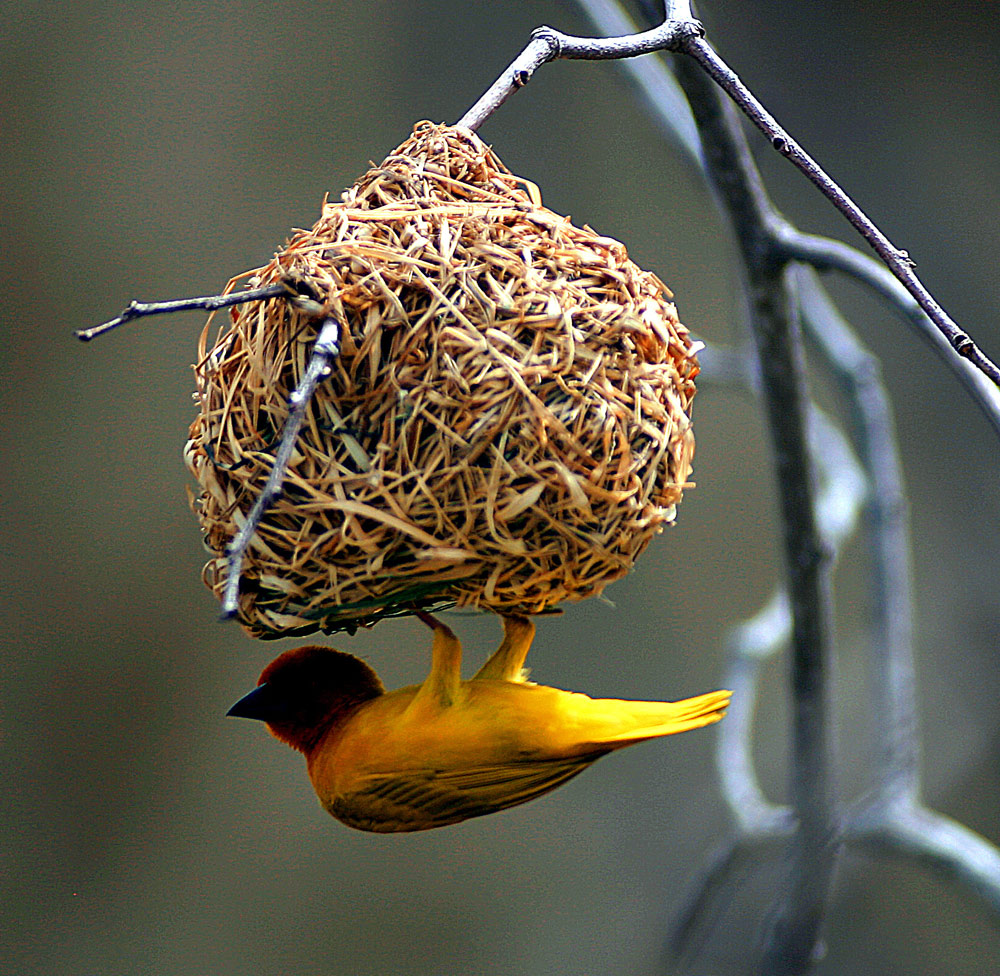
[305,692]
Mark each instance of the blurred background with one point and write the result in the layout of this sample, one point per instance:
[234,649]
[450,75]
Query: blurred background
[153,151]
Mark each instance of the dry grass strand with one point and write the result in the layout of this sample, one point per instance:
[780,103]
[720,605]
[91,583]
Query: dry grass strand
[507,425]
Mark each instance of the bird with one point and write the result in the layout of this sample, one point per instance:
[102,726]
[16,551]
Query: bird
[441,752]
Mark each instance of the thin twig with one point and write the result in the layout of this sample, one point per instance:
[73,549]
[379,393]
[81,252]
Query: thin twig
[325,351]
[897,260]
[136,310]
[548,44]
[683,35]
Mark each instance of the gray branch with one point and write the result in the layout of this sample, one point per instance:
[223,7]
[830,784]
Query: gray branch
[548,44]
[657,90]
[774,321]
[825,254]
[137,310]
[325,350]
[684,35]
[891,818]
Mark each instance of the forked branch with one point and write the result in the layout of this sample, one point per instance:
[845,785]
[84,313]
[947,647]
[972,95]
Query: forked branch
[681,34]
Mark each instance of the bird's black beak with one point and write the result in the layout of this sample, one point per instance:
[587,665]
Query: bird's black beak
[261,704]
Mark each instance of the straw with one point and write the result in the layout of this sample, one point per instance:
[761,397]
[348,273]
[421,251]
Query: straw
[507,425]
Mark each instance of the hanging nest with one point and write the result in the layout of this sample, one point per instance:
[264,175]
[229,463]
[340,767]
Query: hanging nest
[507,424]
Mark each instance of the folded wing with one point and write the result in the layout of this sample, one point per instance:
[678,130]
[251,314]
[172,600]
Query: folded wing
[426,798]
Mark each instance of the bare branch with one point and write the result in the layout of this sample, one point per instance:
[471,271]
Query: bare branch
[137,310]
[897,260]
[548,44]
[858,374]
[915,832]
[841,493]
[892,818]
[325,351]
[686,36]
[658,90]
[825,254]
[749,645]
[542,47]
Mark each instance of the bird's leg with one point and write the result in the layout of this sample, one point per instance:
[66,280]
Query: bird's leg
[442,684]
[507,662]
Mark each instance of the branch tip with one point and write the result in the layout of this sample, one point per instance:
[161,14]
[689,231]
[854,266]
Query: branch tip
[136,309]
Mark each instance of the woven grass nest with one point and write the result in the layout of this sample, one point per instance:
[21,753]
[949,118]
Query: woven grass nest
[507,424]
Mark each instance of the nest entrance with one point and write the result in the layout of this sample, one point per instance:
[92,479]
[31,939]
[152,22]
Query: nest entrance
[506,426]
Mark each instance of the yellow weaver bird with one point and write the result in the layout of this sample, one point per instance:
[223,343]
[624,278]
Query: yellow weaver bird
[438,753]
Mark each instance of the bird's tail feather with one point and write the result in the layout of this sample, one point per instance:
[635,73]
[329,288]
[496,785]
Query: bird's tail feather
[649,720]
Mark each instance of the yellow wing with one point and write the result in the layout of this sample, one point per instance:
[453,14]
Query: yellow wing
[426,798]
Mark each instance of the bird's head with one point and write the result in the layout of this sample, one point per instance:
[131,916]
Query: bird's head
[305,692]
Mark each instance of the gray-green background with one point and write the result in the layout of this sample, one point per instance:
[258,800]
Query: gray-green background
[153,150]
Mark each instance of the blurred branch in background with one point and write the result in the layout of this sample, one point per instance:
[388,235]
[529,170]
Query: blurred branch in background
[892,817]
[793,929]
[778,262]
